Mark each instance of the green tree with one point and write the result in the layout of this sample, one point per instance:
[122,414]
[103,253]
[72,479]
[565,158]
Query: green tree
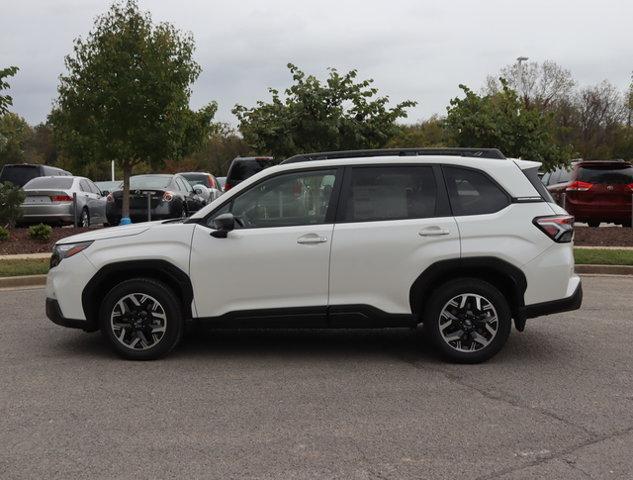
[427,133]
[503,121]
[15,134]
[340,113]
[11,198]
[215,155]
[5,100]
[126,95]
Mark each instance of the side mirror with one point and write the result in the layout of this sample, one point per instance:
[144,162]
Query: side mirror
[105,193]
[223,225]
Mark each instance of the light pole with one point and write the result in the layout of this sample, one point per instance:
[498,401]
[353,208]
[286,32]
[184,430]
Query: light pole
[520,61]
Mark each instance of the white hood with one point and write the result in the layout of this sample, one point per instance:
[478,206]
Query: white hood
[110,232]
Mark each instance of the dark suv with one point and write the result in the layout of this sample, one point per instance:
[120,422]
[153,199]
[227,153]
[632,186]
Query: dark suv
[594,191]
[20,173]
[244,167]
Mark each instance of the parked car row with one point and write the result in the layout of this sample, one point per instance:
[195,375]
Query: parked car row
[594,191]
[55,196]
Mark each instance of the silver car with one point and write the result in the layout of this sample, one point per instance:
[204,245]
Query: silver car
[50,200]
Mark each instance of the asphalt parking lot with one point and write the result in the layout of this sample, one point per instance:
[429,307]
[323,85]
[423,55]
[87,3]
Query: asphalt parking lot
[556,403]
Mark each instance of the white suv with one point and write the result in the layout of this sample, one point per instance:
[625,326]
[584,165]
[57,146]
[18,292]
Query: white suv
[461,240]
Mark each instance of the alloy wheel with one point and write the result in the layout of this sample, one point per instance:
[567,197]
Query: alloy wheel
[85,219]
[138,321]
[468,322]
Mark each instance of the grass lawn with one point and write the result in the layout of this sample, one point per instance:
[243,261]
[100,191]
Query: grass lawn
[12,268]
[31,266]
[603,257]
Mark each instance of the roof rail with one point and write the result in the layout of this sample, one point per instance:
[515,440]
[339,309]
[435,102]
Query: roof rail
[398,152]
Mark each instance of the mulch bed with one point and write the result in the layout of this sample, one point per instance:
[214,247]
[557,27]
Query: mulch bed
[19,241]
[603,237]
[584,236]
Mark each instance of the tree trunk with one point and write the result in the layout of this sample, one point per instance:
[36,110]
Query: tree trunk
[127,171]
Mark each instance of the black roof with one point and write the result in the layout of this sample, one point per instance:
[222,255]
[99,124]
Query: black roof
[398,152]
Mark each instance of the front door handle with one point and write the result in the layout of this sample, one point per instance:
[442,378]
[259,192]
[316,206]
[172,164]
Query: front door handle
[434,231]
[310,239]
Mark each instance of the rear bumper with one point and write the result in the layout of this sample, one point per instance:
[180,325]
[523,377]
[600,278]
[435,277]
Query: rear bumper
[598,212]
[54,314]
[573,302]
[48,213]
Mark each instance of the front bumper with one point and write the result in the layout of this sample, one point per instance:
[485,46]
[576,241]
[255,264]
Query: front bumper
[573,302]
[54,313]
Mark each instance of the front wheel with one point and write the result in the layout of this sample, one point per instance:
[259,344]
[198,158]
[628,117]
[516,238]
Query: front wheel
[142,319]
[468,320]
[593,224]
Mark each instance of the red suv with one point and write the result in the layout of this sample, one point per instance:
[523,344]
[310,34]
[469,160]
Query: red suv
[594,191]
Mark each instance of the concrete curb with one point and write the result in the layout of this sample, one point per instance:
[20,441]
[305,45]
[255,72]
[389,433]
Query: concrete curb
[23,281]
[605,269]
[25,256]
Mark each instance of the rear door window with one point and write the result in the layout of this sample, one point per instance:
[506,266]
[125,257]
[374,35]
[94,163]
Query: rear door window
[390,193]
[472,192]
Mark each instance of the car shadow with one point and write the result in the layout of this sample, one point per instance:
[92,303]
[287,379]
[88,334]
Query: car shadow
[404,344]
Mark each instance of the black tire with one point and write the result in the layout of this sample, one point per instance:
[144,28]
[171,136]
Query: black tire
[173,321]
[84,218]
[447,292]
[593,224]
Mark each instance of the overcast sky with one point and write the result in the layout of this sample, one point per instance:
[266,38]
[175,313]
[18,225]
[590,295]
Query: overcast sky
[419,50]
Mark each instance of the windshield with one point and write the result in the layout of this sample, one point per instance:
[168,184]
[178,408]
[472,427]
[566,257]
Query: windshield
[19,174]
[606,174]
[110,186]
[197,179]
[63,183]
[140,182]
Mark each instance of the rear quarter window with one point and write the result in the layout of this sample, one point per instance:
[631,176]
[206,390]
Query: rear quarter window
[472,192]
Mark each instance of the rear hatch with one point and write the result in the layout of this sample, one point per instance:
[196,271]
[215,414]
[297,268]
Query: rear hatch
[19,174]
[602,183]
[46,197]
[246,167]
[138,198]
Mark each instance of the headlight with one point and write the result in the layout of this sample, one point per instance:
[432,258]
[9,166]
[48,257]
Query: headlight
[66,250]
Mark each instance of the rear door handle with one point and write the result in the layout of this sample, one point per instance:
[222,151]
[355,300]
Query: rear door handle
[433,232]
[310,239]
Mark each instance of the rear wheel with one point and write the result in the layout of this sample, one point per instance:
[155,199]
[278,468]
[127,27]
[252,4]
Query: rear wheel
[142,319]
[468,320]
[593,224]
[84,218]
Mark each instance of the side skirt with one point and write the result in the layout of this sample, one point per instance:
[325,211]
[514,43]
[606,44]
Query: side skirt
[336,316]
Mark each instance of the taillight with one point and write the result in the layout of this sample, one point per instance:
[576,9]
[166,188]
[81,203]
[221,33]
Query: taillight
[110,198]
[579,186]
[559,228]
[212,183]
[630,186]
[61,198]
[227,186]
[168,196]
